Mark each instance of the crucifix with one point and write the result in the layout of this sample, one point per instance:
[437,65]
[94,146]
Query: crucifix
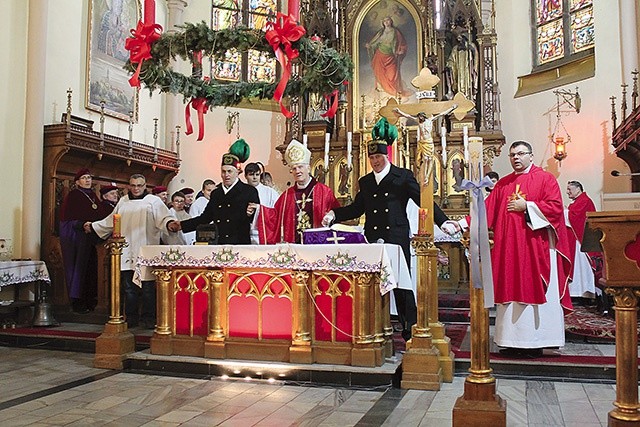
[429,354]
[426,110]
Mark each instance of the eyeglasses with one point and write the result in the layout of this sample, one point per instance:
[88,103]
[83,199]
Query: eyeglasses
[519,154]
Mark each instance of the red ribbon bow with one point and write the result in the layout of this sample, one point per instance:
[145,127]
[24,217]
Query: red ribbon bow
[139,46]
[333,109]
[280,34]
[200,105]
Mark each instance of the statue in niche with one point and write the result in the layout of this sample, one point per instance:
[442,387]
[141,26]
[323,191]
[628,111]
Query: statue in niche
[462,68]
[315,108]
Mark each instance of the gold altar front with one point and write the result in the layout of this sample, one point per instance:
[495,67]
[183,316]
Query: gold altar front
[308,315]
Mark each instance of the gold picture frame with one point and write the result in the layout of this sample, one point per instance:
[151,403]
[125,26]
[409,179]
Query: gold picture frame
[110,22]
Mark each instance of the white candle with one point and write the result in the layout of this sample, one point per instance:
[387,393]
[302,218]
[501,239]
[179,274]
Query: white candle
[327,137]
[349,147]
[443,139]
[465,142]
[305,139]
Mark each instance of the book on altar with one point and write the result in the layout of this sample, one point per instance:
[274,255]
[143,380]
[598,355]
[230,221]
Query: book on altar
[337,233]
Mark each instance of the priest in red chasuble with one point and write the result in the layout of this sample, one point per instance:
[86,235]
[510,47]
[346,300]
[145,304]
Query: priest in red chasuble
[583,283]
[530,257]
[301,206]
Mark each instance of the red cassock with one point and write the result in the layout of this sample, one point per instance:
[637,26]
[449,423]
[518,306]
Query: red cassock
[272,222]
[578,217]
[520,256]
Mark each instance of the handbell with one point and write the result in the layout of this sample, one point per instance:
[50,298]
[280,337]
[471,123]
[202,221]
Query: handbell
[43,316]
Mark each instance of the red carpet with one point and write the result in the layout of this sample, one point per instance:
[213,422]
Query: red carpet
[586,322]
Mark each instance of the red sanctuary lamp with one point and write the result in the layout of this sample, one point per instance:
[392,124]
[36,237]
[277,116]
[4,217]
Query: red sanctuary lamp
[560,152]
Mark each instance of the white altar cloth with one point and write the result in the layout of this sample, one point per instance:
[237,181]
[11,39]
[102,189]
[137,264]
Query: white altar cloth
[14,272]
[386,259]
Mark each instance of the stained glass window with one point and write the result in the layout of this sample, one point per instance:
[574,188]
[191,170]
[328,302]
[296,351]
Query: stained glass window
[562,28]
[252,66]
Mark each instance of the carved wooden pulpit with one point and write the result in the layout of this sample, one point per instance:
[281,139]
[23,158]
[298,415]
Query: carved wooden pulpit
[621,249]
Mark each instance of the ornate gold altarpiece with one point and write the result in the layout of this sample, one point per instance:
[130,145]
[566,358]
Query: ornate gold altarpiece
[287,303]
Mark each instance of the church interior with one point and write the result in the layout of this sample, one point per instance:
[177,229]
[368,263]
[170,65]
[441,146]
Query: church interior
[163,88]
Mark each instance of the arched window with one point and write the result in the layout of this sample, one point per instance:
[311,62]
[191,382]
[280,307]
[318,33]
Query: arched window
[563,30]
[253,66]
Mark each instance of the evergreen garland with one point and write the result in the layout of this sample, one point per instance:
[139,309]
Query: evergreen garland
[323,69]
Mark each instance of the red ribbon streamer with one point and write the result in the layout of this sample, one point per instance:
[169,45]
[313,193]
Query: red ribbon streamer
[280,34]
[139,46]
[331,112]
[200,105]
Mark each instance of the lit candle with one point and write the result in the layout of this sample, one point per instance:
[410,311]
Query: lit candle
[465,142]
[349,148]
[327,137]
[116,226]
[443,139]
[423,221]
[305,139]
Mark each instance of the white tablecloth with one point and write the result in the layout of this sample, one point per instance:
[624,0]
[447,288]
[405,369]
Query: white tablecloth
[386,259]
[13,272]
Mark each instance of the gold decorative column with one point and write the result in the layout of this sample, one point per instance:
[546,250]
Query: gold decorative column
[366,351]
[620,243]
[300,350]
[479,401]
[421,365]
[627,410]
[214,347]
[161,340]
[116,341]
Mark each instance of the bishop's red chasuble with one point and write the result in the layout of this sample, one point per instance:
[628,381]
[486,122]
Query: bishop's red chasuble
[578,217]
[520,256]
[295,210]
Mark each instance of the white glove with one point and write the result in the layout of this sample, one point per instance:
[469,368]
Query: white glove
[328,218]
[450,227]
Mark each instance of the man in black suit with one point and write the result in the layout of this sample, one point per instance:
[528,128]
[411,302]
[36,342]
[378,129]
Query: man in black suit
[383,197]
[229,204]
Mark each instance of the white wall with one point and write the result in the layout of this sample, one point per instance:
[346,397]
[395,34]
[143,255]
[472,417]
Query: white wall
[13,44]
[532,117]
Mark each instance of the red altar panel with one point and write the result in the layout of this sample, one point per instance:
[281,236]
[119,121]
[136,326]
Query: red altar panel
[260,306]
[191,304]
[333,304]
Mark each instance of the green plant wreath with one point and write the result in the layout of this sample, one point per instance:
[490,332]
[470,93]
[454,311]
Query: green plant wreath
[323,68]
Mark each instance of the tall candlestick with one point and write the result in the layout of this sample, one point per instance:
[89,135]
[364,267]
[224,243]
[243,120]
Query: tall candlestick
[155,134]
[117,229]
[178,141]
[465,142]
[130,129]
[443,139]
[293,9]
[305,139]
[327,137]
[349,148]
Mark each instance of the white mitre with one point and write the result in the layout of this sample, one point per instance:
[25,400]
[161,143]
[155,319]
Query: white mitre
[296,153]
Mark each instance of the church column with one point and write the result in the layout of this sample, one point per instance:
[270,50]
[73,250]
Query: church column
[174,105]
[34,125]
[300,350]
[214,347]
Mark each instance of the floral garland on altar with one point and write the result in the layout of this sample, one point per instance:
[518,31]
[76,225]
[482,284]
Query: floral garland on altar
[324,69]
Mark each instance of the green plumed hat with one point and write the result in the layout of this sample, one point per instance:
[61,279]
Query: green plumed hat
[383,134]
[238,153]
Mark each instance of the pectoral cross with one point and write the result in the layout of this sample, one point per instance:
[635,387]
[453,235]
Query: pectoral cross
[517,194]
[303,220]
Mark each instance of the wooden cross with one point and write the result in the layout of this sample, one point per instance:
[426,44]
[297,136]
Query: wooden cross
[425,81]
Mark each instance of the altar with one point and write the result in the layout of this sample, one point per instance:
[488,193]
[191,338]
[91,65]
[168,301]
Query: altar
[288,303]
